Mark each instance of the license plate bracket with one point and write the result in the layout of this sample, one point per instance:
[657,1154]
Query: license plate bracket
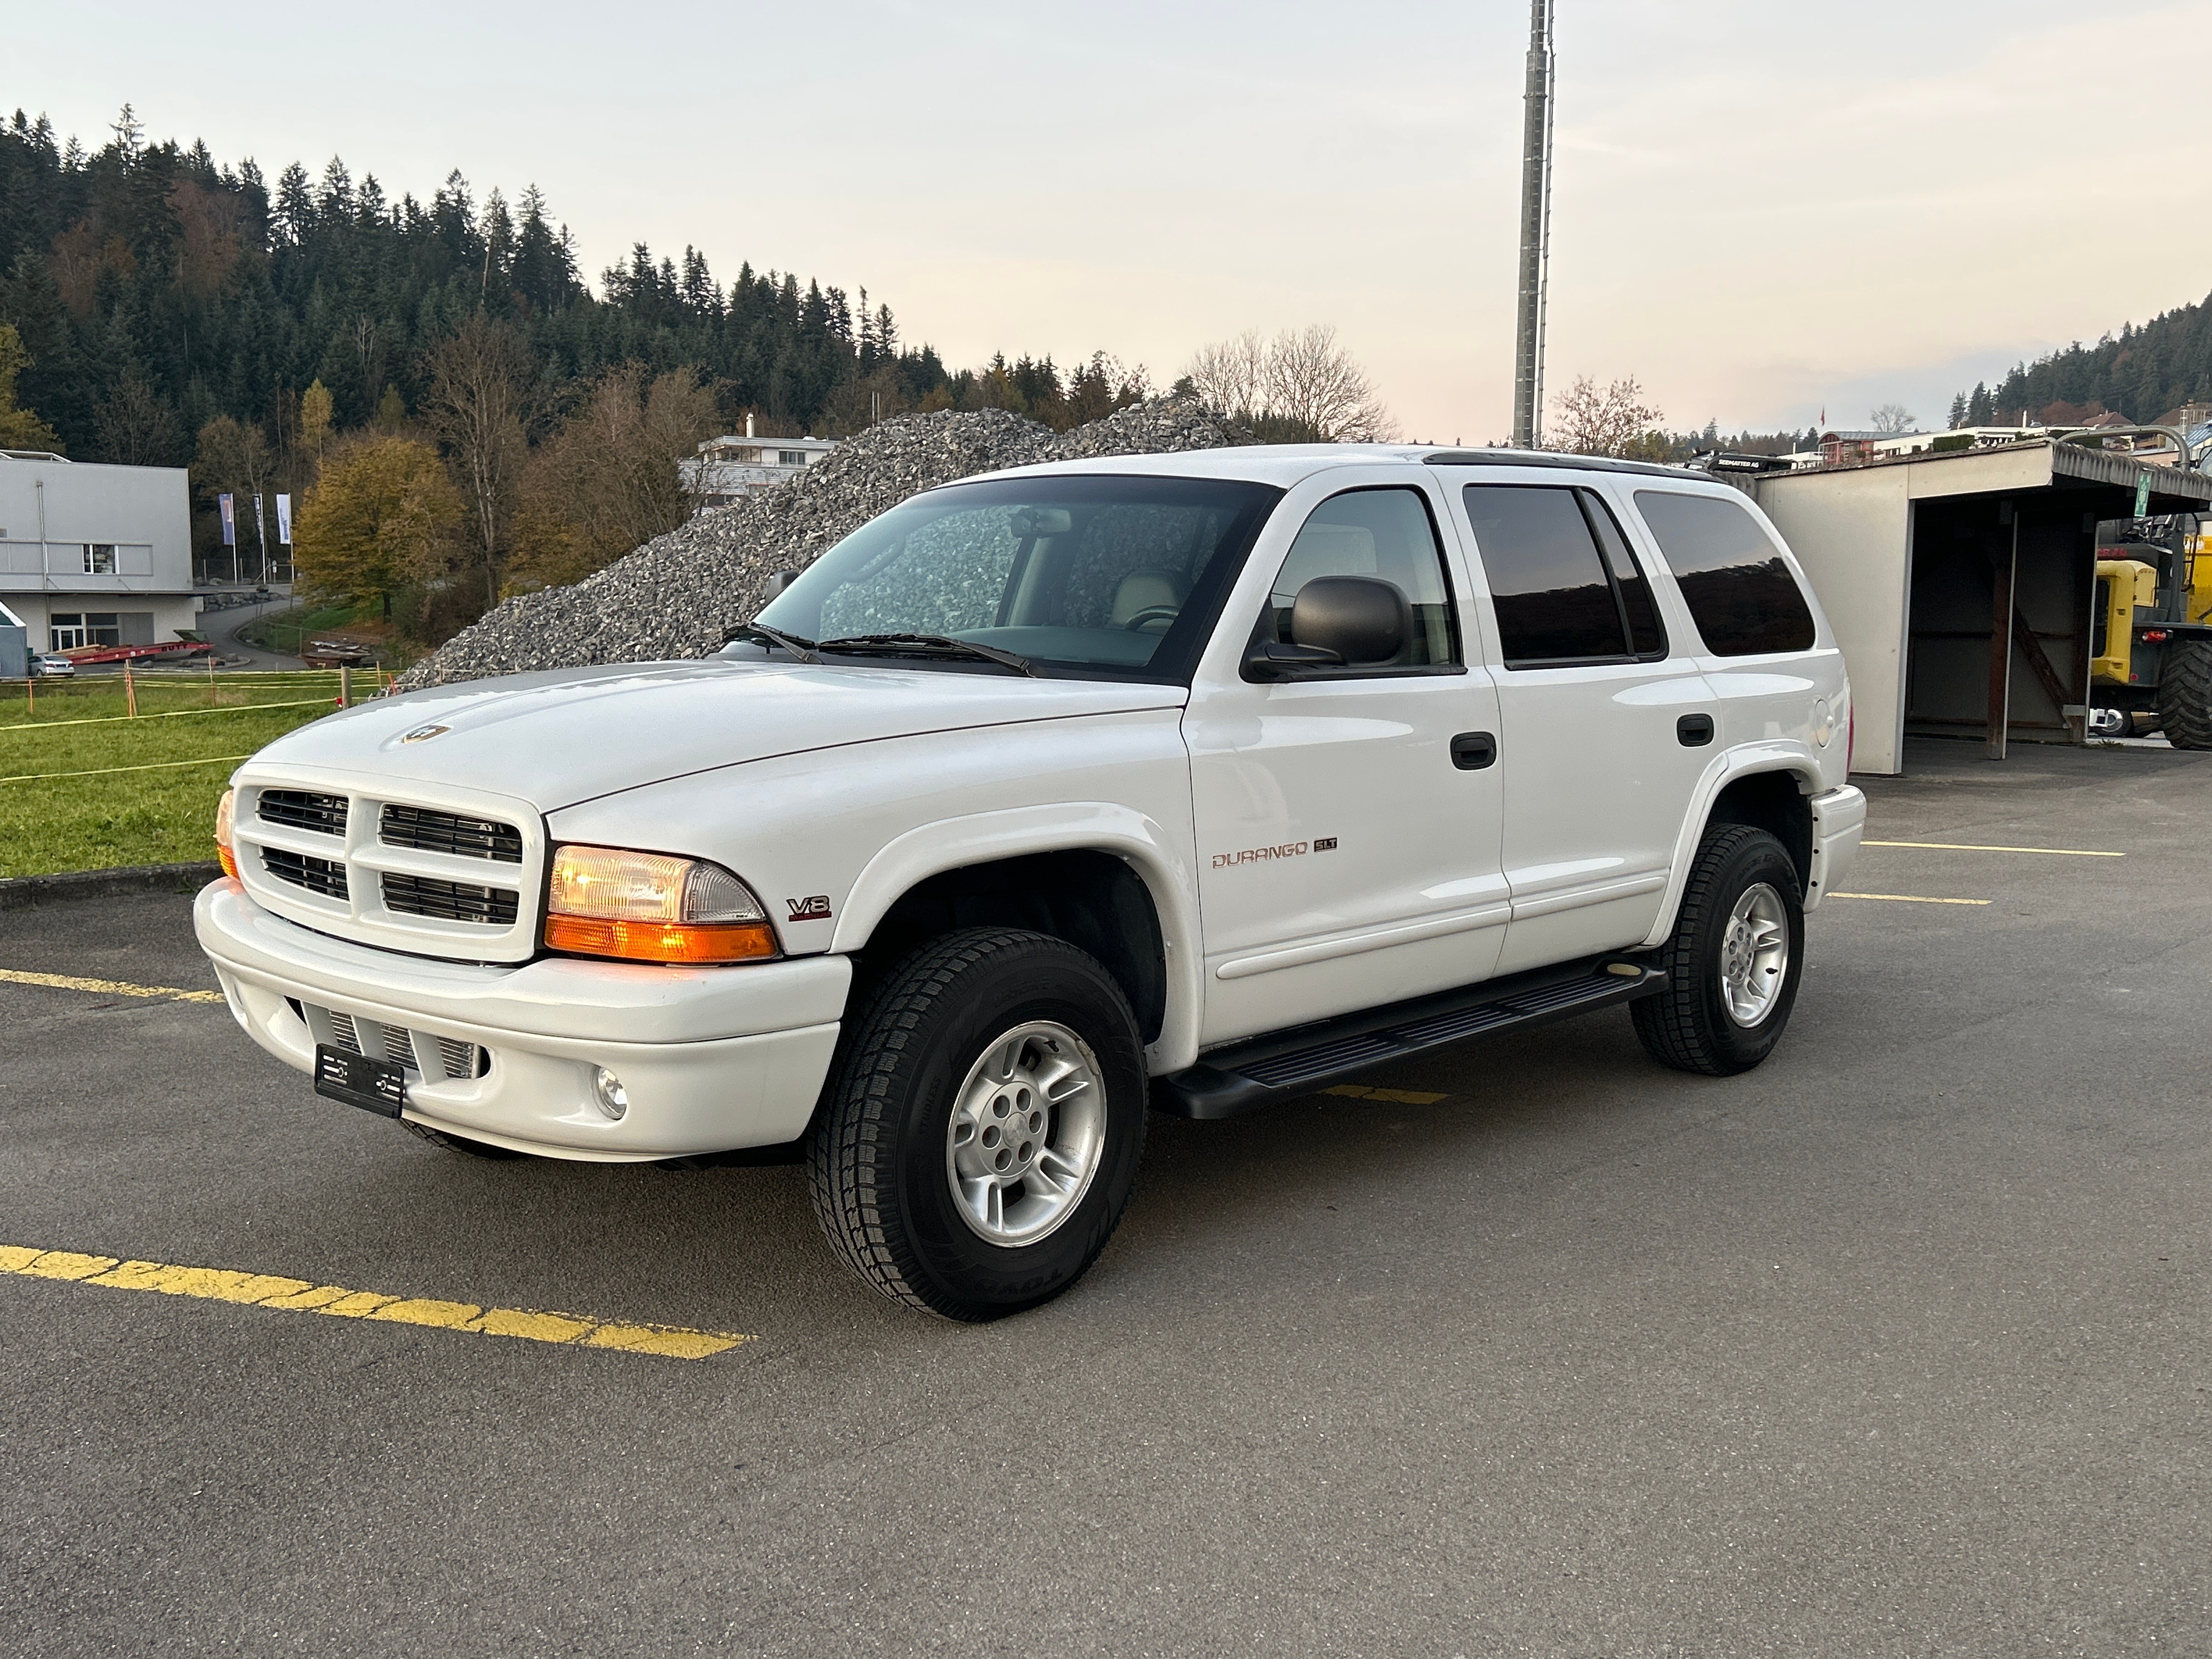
[374,1085]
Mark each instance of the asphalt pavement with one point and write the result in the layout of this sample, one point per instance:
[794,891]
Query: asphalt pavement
[1895,1347]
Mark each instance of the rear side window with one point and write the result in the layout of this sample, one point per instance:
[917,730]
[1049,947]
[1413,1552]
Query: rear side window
[1566,585]
[1740,592]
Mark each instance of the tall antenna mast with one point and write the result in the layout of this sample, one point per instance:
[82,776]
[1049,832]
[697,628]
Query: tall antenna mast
[1536,231]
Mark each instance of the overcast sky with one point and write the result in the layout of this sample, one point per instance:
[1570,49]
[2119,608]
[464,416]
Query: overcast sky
[1761,210]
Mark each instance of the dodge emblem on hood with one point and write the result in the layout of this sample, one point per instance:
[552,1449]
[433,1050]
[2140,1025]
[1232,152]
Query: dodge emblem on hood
[424,733]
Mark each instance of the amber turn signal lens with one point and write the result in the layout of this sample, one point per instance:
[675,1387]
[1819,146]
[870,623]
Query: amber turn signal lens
[224,850]
[661,941]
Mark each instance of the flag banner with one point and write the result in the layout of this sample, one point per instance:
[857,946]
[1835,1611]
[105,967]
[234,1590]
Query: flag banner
[260,524]
[223,504]
[285,519]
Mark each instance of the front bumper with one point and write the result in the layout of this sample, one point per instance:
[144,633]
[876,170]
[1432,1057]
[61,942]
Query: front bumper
[1838,823]
[712,1059]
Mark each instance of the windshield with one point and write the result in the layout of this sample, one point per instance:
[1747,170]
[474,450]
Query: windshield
[1091,576]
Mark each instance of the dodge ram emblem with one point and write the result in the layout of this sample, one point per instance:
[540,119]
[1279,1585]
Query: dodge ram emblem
[809,909]
[424,733]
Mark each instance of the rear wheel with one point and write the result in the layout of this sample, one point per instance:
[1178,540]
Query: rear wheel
[984,1131]
[1733,961]
[2184,695]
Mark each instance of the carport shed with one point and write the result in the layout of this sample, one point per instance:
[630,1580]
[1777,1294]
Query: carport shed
[1925,563]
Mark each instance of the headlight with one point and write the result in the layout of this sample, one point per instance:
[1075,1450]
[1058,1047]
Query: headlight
[223,849]
[649,906]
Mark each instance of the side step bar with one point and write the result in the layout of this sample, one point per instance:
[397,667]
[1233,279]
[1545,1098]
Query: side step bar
[1245,1076]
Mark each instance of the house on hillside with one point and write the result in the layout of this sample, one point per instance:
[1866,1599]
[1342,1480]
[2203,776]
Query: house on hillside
[92,554]
[731,466]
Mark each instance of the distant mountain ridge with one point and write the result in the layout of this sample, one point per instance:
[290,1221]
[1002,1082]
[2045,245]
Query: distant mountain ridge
[2143,372]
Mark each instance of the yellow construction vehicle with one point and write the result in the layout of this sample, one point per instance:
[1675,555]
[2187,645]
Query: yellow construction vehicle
[2151,638]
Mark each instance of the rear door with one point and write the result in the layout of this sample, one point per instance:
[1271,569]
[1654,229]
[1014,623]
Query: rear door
[1606,724]
[1348,821]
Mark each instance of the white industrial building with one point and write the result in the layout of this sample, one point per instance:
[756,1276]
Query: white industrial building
[727,468]
[95,554]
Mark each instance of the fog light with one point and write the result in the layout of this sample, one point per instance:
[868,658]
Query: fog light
[614,1099]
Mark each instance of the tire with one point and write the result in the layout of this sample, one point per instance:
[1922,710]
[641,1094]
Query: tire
[901,1159]
[1695,1024]
[2184,695]
[453,1143]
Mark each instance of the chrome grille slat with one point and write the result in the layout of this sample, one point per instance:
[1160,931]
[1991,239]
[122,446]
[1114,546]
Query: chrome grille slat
[323,876]
[450,901]
[429,831]
[304,809]
[457,1060]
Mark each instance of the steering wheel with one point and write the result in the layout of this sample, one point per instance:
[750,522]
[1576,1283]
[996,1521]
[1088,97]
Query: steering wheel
[1152,613]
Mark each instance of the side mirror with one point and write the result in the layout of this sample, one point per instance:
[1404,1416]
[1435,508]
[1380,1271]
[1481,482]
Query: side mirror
[780,580]
[1363,620]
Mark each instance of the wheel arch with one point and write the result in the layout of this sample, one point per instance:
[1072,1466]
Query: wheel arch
[1766,787]
[1101,876]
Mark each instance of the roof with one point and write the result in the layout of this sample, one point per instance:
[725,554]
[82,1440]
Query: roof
[1285,464]
[1996,468]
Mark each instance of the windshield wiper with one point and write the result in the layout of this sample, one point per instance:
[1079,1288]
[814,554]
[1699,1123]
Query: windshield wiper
[803,649]
[928,645]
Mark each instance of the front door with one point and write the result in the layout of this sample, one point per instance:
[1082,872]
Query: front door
[1348,821]
[1606,724]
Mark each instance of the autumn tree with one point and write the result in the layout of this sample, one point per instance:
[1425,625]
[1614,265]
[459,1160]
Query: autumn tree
[377,521]
[316,413]
[19,427]
[607,480]
[1301,387]
[1587,419]
[481,382]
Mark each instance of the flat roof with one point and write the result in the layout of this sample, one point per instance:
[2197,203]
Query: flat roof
[1993,469]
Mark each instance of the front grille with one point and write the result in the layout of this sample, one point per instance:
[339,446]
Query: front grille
[429,831]
[449,901]
[302,809]
[316,875]
[456,1060]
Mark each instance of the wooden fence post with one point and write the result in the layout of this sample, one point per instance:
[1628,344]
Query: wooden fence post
[345,686]
[129,691]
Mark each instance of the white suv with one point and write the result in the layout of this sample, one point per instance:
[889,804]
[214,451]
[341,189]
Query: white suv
[1206,780]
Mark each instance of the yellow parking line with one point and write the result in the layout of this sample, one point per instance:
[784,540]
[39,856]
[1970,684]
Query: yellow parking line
[1394,1096]
[1965,847]
[113,987]
[304,1296]
[1907,898]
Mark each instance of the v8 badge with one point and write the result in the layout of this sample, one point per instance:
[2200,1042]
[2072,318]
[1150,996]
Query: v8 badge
[809,909]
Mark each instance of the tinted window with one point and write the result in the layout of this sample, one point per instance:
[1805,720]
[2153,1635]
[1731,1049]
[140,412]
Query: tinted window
[1740,592]
[1375,533]
[1555,602]
[1644,633]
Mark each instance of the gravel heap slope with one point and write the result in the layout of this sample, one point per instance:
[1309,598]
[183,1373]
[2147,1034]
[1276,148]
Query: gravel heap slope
[679,594]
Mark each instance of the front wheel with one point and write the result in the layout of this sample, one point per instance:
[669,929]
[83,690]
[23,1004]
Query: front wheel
[1732,962]
[985,1129]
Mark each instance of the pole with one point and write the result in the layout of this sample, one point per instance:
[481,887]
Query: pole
[1535,230]
[129,691]
[345,686]
[2002,577]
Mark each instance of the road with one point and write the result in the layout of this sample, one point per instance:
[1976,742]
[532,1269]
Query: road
[1894,1347]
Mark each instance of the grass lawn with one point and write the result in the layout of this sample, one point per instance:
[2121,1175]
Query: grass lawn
[164,815]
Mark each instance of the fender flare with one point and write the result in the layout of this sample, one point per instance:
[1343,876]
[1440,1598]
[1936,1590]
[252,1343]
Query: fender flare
[1744,760]
[1148,848]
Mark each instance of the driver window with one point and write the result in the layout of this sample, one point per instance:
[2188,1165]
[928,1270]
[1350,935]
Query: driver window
[1385,533]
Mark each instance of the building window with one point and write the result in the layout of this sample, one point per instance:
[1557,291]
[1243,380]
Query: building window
[791,457]
[103,628]
[99,558]
[64,631]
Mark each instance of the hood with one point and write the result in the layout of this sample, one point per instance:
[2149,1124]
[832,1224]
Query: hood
[558,738]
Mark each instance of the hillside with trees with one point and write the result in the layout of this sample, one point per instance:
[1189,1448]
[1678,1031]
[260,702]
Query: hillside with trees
[2145,371]
[171,309]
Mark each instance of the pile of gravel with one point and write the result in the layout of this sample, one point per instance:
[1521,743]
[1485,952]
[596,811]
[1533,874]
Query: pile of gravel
[678,594]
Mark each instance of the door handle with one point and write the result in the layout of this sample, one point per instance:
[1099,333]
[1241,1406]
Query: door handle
[1473,751]
[1695,731]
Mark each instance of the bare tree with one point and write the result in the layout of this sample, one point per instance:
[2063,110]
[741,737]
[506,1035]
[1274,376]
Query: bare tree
[1300,385]
[479,397]
[1893,418]
[1587,419]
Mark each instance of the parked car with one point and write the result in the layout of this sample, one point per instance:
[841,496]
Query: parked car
[50,666]
[1200,780]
